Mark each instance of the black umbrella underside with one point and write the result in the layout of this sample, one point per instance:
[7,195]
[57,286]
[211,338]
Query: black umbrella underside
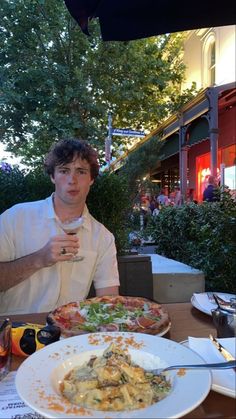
[125,20]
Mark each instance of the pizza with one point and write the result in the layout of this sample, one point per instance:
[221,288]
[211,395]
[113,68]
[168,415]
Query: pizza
[110,314]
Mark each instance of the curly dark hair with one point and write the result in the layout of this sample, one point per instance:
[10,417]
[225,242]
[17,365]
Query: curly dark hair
[64,151]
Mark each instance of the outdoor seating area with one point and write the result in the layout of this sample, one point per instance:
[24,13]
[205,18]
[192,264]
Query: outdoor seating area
[117,210]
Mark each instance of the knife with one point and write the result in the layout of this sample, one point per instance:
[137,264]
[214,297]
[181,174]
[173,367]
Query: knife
[226,354]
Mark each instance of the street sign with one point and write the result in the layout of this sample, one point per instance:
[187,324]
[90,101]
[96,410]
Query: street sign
[127,132]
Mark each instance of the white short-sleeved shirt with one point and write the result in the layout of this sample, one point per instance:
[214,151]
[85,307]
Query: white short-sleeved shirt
[27,227]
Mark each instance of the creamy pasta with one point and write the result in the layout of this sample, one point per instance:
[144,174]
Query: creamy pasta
[113,382]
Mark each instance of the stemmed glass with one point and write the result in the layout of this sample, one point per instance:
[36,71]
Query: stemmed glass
[71,227]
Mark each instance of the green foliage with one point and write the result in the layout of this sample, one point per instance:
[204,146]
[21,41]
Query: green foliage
[21,186]
[108,200]
[12,188]
[56,82]
[136,165]
[202,236]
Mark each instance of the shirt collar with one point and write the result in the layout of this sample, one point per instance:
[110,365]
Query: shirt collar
[50,213]
[50,208]
[87,218]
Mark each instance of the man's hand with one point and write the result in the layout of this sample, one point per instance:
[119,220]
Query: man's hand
[59,249]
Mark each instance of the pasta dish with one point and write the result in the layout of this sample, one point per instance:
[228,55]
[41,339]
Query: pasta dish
[113,382]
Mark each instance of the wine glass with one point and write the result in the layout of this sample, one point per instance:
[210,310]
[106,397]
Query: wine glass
[71,227]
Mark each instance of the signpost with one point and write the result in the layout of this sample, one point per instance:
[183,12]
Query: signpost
[124,132]
[108,150]
[108,140]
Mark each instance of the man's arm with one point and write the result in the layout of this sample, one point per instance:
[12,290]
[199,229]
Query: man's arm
[16,271]
[107,291]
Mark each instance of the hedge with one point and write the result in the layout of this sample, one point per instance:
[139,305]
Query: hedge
[202,236]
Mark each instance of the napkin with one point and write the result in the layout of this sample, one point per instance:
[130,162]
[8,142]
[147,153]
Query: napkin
[223,381]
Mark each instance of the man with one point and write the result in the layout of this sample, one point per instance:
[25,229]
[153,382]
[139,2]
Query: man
[35,273]
[210,193]
[163,199]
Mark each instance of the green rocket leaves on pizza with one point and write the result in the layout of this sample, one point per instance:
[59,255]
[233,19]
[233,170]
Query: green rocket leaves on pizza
[118,313]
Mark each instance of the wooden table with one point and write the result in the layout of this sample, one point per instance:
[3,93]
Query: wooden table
[185,321]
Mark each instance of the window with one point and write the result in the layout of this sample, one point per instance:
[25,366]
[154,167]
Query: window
[209,60]
[203,170]
[229,160]
[212,62]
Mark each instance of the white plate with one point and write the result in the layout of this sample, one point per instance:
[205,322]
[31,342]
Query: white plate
[38,377]
[202,302]
[159,334]
[164,331]
[223,382]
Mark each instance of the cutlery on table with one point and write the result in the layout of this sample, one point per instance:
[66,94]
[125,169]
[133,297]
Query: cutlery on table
[215,299]
[216,365]
[228,305]
[210,297]
[226,354]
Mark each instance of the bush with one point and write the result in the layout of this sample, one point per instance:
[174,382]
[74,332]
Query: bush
[12,188]
[20,186]
[202,236]
[108,201]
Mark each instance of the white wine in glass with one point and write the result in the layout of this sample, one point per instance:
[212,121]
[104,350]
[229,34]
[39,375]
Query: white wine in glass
[71,227]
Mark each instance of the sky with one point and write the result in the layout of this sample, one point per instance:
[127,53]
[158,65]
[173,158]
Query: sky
[7,157]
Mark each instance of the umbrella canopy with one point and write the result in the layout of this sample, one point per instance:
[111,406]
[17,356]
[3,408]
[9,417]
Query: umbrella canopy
[124,20]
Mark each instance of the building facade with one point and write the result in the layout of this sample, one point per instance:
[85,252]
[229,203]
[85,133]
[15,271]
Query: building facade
[200,139]
[209,56]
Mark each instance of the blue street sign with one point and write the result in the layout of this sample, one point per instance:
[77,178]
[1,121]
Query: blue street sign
[127,132]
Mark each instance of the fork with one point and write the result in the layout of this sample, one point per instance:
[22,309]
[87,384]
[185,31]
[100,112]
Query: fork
[210,297]
[217,365]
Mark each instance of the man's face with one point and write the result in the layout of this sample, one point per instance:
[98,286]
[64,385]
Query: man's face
[72,182]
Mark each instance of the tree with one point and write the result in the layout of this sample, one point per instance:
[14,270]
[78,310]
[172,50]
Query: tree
[136,164]
[57,82]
